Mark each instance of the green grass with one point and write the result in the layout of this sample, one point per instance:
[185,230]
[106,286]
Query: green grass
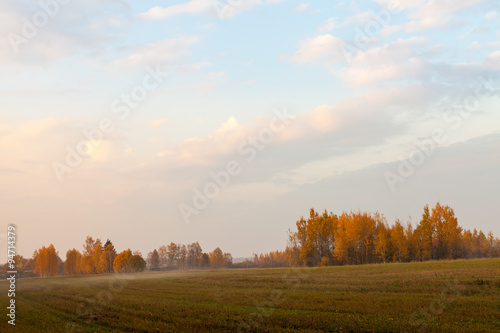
[450,296]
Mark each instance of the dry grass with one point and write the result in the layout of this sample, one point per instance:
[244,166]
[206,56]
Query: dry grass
[452,296]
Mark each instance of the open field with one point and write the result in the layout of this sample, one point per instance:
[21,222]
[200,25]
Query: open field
[450,296]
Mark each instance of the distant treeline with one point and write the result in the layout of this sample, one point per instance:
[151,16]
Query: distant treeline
[321,240]
[364,238]
[98,258]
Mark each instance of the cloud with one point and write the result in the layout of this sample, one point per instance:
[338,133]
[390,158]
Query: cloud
[474,45]
[358,76]
[199,65]
[301,7]
[202,150]
[157,123]
[328,25]
[191,7]
[163,52]
[28,147]
[223,8]
[491,15]
[254,192]
[395,60]
[429,22]
[68,30]
[438,14]
[494,45]
[444,7]
[389,30]
[324,47]
[401,5]
[493,60]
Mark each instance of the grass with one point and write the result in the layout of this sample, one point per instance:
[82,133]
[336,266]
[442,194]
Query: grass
[448,296]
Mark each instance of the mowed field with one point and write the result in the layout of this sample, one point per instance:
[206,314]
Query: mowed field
[448,296]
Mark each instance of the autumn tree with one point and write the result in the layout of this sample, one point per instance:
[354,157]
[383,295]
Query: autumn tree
[493,251]
[384,245]
[127,262]
[46,261]
[448,234]
[137,263]
[91,256]
[182,256]
[194,255]
[205,261]
[355,238]
[401,251]
[154,260]
[163,253]
[228,259]
[172,254]
[107,258]
[468,244]
[344,241]
[410,242]
[425,231]
[217,258]
[71,266]
[20,263]
[366,227]
[271,259]
[481,245]
[121,264]
[315,237]
[292,249]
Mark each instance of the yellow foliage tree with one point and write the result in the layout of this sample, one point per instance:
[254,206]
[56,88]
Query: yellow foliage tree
[71,265]
[46,261]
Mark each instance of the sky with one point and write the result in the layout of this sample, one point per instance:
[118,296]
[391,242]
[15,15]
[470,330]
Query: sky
[225,121]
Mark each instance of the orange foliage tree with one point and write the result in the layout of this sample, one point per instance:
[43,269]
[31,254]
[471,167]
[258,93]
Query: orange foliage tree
[46,261]
[73,259]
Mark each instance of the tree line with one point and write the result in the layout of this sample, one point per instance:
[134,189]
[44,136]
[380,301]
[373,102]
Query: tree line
[97,258]
[322,240]
[362,238]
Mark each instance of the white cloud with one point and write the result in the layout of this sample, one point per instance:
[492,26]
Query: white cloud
[201,150]
[223,8]
[474,45]
[326,47]
[216,75]
[395,60]
[493,60]
[389,30]
[444,7]
[491,15]
[494,45]
[358,19]
[199,65]
[191,7]
[328,25]
[67,32]
[160,53]
[437,14]
[157,123]
[301,7]
[256,192]
[358,76]
[400,5]
[428,22]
